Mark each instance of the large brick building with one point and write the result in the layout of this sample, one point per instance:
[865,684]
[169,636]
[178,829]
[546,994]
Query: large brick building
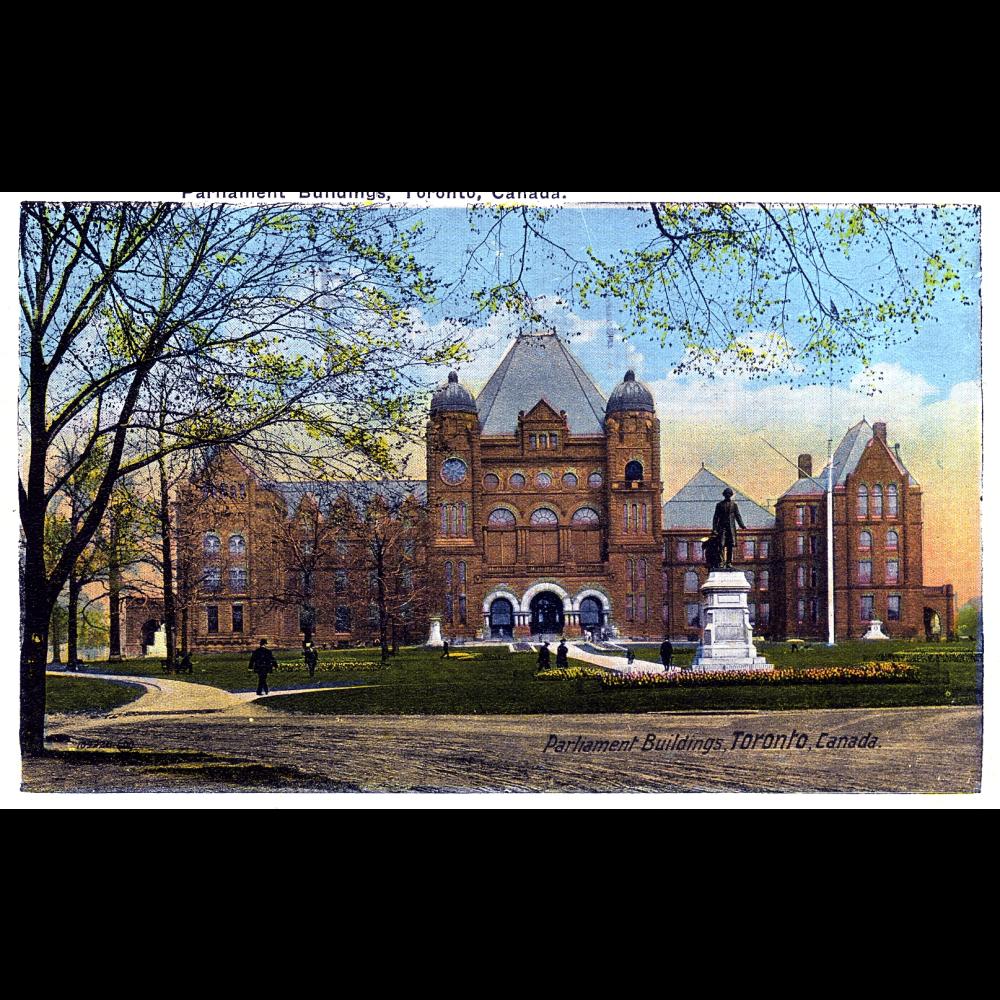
[542,513]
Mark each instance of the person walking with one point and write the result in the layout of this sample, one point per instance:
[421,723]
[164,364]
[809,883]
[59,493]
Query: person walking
[666,653]
[562,655]
[185,666]
[447,650]
[311,657]
[544,657]
[630,656]
[262,663]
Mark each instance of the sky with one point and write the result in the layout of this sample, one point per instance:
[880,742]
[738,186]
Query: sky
[927,390]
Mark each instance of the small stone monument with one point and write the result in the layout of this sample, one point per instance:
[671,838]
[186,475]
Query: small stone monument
[875,630]
[435,640]
[727,640]
[159,647]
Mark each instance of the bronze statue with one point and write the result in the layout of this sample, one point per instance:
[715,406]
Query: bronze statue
[713,552]
[727,517]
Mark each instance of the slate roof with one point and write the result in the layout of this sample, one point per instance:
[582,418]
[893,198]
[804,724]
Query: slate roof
[693,507]
[540,366]
[359,493]
[845,461]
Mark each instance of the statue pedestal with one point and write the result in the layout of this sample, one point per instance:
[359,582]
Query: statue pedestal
[727,640]
[875,630]
[435,639]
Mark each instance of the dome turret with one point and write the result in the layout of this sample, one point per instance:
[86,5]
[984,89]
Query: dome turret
[630,395]
[453,398]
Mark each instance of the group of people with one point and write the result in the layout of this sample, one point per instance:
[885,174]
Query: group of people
[562,655]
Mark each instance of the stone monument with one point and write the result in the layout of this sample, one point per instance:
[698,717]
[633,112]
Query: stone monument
[159,647]
[727,640]
[435,640]
[875,630]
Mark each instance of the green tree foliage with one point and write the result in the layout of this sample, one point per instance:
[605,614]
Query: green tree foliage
[285,332]
[760,289]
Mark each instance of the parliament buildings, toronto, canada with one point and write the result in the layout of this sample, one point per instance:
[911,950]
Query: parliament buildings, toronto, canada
[542,514]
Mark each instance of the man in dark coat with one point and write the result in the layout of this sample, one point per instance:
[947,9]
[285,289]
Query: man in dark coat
[544,657]
[666,653]
[562,655]
[262,663]
[727,517]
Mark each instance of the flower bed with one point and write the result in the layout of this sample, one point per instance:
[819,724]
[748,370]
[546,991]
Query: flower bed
[572,674]
[878,673]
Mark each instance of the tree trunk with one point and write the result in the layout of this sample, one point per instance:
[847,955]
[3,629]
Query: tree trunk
[72,622]
[383,624]
[56,639]
[169,610]
[37,603]
[114,595]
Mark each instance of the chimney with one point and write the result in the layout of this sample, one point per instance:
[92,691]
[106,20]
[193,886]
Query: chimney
[805,466]
[896,447]
[880,432]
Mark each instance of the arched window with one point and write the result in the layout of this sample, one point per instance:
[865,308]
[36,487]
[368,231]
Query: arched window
[544,518]
[587,517]
[595,481]
[462,570]
[444,519]
[463,511]
[642,572]
[633,472]
[213,544]
[892,541]
[800,577]
[517,481]
[865,540]
[892,500]
[691,582]
[626,516]
[862,501]
[876,501]
[447,575]
[635,517]
[237,545]
[543,480]
[491,482]
[645,518]
[452,519]
[630,573]
[501,518]
[340,582]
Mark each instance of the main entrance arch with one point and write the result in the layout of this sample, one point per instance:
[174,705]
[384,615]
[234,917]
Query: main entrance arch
[547,616]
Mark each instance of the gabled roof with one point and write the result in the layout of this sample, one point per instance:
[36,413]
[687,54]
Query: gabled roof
[845,461]
[539,366]
[693,507]
[359,494]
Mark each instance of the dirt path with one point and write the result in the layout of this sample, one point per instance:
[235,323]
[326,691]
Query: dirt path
[916,750]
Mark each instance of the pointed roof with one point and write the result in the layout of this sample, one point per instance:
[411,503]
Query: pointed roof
[845,461]
[539,366]
[693,507]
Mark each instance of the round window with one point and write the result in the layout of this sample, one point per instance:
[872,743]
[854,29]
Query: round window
[543,480]
[517,481]
[570,481]
[454,471]
[491,482]
[596,481]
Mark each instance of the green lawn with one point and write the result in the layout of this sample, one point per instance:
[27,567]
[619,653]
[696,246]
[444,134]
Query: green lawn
[70,696]
[496,682]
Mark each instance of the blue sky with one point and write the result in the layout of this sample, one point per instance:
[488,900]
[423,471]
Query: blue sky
[945,353]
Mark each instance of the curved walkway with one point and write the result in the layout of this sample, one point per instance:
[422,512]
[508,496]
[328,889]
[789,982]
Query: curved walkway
[169,697]
[616,663]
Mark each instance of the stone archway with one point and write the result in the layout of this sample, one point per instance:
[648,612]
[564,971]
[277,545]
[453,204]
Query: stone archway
[547,614]
[501,618]
[932,625]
